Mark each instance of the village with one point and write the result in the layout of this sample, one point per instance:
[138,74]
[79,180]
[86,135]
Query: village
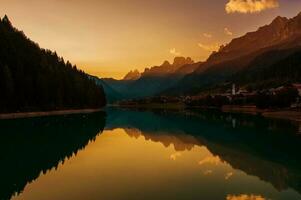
[286,96]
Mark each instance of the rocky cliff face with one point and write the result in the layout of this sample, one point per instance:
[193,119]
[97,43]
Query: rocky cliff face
[132,75]
[254,50]
[167,68]
[281,30]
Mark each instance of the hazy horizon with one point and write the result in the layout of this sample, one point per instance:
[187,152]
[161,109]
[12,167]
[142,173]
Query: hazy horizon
[136,34]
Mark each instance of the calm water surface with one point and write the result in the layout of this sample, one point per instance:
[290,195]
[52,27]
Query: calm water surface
[126,154]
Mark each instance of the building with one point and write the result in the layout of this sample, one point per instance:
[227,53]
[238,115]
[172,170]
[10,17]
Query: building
[233,89]
[298,87]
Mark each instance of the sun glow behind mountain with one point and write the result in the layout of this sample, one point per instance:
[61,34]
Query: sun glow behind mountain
[110,38]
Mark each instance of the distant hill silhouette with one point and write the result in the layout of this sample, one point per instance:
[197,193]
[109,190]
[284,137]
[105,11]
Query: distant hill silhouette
[35,79]
[153,80]
[111,94]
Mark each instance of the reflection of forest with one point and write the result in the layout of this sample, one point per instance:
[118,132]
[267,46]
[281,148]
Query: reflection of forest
[262,147]
[31,146]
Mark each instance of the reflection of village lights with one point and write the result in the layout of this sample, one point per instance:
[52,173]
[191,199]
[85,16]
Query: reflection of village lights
[234,123]
[215,160]
[228,175]
[245,197]
[208,172]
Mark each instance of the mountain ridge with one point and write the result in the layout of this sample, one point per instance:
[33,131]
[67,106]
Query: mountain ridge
[167,67]
[280,29]
[185,77]
[281,33]
[153,80]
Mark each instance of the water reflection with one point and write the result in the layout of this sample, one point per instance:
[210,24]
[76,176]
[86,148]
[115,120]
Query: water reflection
[151,155]
[268,149]
[245,197]
[30,147]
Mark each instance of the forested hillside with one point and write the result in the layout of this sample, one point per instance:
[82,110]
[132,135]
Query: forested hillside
[272,69]
[35,79]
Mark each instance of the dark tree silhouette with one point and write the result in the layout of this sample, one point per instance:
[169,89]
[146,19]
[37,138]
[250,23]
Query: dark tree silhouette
[36,79]
[29,147]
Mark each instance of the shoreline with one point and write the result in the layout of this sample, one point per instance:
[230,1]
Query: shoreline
[47,113]
[284,114]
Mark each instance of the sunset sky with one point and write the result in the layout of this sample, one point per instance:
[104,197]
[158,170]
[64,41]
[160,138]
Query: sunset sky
[108,38]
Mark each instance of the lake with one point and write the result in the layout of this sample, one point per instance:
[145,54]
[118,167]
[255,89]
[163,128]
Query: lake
[122,154]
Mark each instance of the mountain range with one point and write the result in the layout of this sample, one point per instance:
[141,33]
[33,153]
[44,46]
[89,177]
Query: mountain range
[275,46]
[244,53]
[150,82]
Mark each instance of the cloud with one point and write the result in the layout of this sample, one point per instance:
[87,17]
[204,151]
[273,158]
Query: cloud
[212,47]
[207,35]
[173,51]
[228,32]
[250,6]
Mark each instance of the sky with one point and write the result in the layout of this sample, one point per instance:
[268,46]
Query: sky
[108,38]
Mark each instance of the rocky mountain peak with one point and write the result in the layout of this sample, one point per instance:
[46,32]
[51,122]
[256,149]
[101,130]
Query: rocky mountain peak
[180,61]
[6,21]
[280,19]
[132,75]
[278,31]
[167,67]
[165,64]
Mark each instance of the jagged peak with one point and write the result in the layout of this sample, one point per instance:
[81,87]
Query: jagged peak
[189,60]
[6,20]
[280,19]
[178,61]
[166,63]
[179,58]
[273,32]
[168,67]
[132,75]
[297,17]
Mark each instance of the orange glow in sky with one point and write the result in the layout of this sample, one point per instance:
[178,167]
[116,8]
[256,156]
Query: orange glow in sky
[108,38]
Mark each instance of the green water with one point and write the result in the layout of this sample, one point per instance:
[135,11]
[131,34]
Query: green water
[158,154]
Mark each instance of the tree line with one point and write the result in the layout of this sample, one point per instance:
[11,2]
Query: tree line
[36,79]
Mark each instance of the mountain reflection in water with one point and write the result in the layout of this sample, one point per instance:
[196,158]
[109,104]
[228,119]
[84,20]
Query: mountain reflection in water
[151,155]
[265,148]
